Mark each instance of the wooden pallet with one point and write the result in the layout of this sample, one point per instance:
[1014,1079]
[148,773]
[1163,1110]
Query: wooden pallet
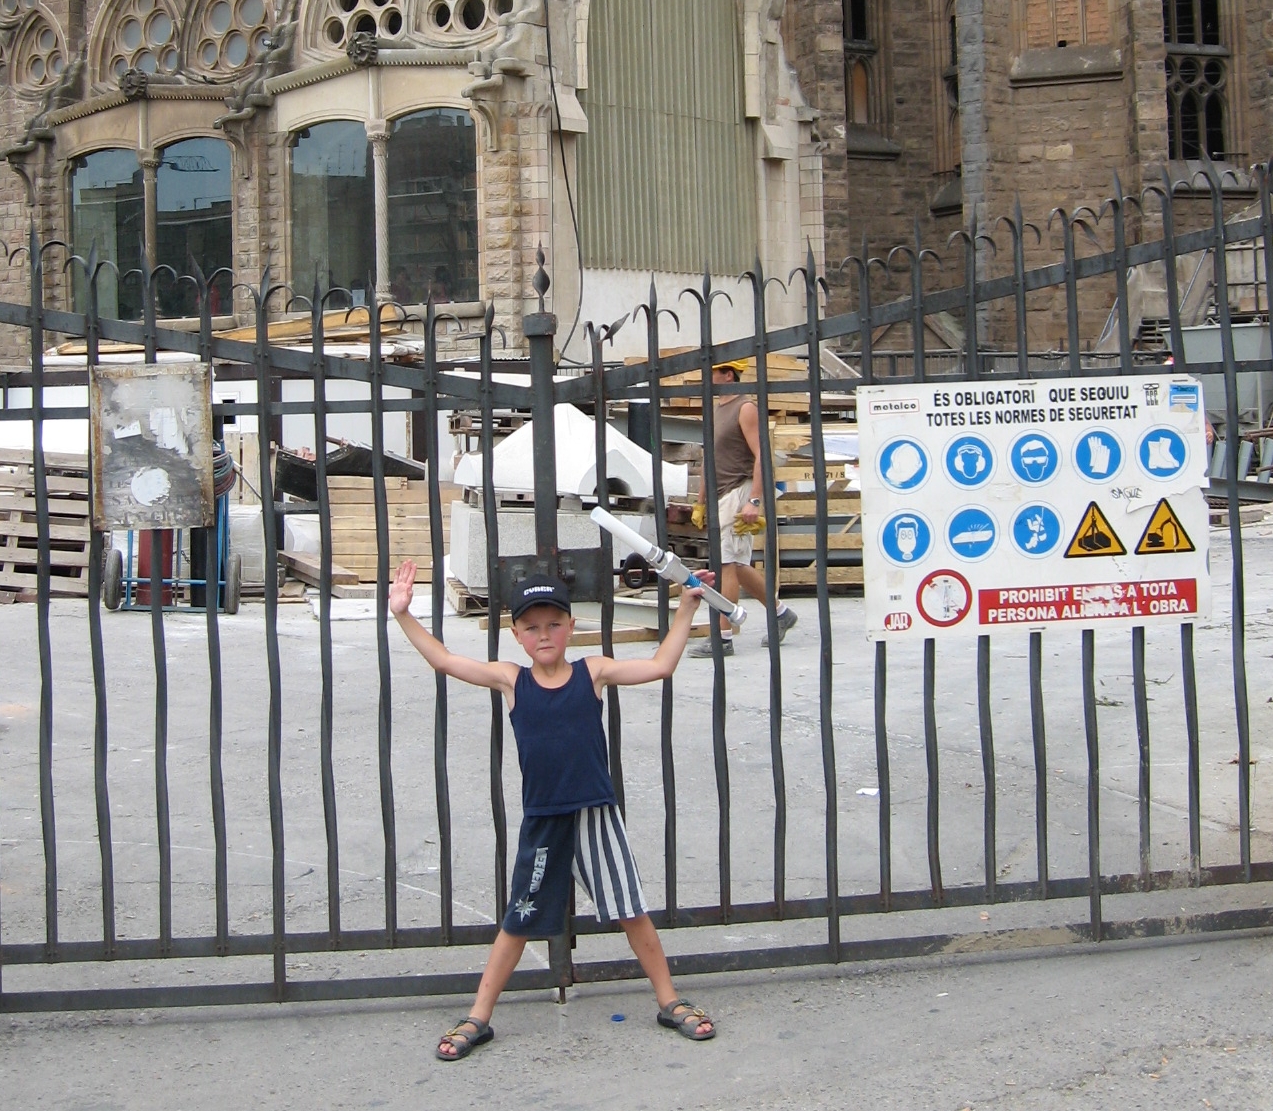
[462,601]
[353,521]
[69,532]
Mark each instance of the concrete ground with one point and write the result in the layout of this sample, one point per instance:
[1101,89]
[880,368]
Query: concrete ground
[1177,1024]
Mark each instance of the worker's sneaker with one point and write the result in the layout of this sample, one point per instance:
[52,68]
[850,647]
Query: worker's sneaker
[703,649]
[786,620]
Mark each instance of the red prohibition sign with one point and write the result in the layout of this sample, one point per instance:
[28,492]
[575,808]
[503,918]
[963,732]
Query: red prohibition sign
[939,591]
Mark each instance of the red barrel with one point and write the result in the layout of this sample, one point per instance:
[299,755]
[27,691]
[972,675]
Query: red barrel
[143,566]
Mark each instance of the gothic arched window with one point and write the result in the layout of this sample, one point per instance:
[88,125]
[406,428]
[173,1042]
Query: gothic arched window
[1198,66]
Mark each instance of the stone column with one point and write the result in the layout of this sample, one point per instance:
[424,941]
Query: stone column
[378,133]
[149,170]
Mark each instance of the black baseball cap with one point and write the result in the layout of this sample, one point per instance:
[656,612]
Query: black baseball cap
[539,590]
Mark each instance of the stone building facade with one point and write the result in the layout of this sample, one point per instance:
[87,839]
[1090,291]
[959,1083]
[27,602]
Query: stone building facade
[420,147]
[934,111]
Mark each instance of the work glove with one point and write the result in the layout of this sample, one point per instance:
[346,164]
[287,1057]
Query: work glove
[743,528]
[698,515]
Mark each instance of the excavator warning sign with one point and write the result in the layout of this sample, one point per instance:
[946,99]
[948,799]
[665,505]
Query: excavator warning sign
[1164,533]
[1095,536]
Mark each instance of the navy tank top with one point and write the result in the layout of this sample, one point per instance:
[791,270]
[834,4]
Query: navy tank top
[561,744]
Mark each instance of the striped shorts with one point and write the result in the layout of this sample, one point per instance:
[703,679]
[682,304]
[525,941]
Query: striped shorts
[590,846]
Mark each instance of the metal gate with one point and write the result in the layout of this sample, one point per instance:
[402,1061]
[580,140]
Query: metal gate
[836,896]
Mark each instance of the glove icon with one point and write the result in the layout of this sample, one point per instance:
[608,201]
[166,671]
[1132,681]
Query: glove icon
[1099,453]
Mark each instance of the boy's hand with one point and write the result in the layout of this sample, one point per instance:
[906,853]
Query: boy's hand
[707,578]
[402,588]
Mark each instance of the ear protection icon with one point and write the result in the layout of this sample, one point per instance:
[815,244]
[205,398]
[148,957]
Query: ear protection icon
[970,460]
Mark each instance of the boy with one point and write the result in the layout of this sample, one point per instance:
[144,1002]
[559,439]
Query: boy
[571,822]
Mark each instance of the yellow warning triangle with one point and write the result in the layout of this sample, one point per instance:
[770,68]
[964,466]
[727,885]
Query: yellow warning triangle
[1095,536]
[1164,533]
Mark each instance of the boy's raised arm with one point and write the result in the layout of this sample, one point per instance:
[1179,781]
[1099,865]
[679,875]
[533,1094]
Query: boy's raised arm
[496,674]
[627,673]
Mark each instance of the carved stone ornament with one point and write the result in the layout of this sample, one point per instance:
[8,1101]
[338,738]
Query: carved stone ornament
[133,84]
[362,48]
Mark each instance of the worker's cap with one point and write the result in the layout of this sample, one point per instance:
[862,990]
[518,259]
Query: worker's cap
[735,366]
[539,590]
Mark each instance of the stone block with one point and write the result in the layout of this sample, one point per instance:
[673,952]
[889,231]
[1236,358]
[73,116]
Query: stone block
[575,529]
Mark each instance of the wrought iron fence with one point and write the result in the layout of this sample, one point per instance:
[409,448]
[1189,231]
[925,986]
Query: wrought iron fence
[435,385]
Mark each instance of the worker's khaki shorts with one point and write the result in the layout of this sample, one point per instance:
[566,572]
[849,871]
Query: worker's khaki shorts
[734,548]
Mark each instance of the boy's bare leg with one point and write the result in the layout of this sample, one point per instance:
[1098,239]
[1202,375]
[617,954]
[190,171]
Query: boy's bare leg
[644,939]
[505,954]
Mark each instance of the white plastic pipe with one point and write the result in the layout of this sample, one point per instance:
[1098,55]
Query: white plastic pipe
[667,565]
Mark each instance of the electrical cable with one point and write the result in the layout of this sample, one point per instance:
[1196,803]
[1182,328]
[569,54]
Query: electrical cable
[561,142]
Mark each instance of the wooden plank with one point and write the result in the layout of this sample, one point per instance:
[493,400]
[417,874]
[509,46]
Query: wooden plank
[58,460]
[27,557]
[367,497]
[796,473]
[806,505]
[789,543]
[245,447]
[808,576]
[56,484]
[359,482]
[13,502]
[347,515]
[306,567]
[30,530]
[410,544]
[60,586]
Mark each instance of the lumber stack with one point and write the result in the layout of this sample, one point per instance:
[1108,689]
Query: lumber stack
[353,519]
[68,524]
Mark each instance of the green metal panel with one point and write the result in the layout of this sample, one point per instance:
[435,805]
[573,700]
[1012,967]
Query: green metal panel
[667,170]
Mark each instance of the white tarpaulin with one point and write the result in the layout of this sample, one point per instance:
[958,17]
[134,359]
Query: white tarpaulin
[1066,502]
[627,466]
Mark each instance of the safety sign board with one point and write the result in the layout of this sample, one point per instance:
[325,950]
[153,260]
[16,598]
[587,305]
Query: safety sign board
[1071,502]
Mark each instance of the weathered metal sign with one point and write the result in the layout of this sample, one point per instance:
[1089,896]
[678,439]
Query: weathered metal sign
[151,436]
[1072,502]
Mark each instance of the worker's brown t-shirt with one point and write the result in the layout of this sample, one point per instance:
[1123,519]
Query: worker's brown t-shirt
[735,462]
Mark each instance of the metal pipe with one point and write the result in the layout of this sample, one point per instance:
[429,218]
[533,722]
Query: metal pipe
[882,775]
[1190,683]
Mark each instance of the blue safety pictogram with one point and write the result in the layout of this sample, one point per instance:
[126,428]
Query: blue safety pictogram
[1036,530]
[1162,452]
[1098,455]
[970,462]
[903,464]
[1034,458]
[906,539]
[972,533]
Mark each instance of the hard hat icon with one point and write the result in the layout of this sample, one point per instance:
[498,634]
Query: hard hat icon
[904,464]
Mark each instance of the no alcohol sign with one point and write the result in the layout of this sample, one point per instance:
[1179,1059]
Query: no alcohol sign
[1029,504]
